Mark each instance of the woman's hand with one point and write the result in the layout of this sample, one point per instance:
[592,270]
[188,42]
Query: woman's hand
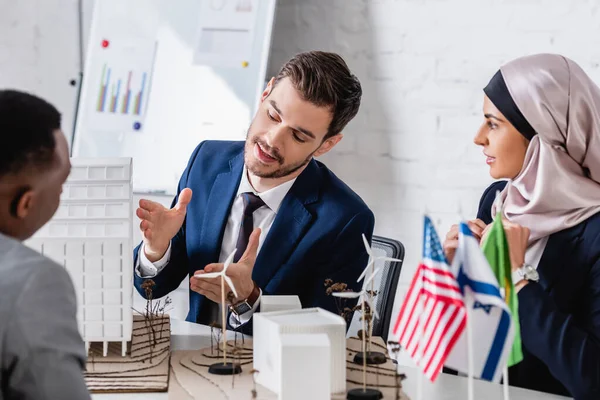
[451,242]
[517,237]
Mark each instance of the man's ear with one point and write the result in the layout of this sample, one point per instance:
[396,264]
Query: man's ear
[328,144]
[267,90]
[22,203]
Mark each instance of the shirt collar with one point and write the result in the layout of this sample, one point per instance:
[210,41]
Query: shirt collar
[272,197]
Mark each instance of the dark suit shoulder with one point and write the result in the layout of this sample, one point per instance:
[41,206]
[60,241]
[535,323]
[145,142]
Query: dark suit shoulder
[589,233]
[222,148]
[212,157]
[591,226]
[484,211]
[220,151]
[333,188]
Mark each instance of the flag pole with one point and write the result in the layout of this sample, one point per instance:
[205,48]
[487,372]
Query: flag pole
[505,368]
[498,206]
[505,381]
[420,349]
[469,305]
[468,308]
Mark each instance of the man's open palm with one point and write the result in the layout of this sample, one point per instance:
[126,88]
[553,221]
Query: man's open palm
[160,224]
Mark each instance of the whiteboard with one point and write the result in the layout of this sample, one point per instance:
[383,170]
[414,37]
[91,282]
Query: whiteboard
[147,94]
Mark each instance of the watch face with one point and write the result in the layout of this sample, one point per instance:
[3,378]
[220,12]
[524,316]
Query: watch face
[531,273]
[241,308]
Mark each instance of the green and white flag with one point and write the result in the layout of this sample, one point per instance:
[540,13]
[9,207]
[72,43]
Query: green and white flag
[495,248]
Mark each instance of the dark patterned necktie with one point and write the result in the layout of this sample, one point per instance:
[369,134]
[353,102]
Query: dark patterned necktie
[251,203]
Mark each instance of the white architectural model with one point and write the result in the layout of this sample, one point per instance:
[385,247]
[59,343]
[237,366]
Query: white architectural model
[91,236]
[271,303]
[269,339]
[305,355]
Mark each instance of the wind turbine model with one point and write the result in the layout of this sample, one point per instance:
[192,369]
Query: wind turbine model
[224,368]
[366,298]
[373,357]
[363,393]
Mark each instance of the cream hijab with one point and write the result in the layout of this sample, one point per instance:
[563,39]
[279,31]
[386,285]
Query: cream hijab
[559,184]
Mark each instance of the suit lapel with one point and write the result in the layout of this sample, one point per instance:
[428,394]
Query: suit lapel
[218,207]
[290,224]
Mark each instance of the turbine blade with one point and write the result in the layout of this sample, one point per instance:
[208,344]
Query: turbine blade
[369,265]
[229,260]
[230,283]
[372,307]
[208,275]
[367,247]
[346,295]
[388,259]
[372,276]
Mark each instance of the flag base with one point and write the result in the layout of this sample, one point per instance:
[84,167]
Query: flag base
[373,358]
[364,394]
[225,369]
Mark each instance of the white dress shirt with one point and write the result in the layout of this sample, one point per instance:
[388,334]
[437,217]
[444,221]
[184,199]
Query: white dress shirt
[263,218]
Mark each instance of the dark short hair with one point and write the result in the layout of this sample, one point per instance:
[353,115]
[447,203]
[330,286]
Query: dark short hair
[27,124]
[325,80]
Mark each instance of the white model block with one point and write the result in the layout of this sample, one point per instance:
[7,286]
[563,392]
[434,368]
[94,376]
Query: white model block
[305,367]
[93,329]
[270,327]
[92,265]
[279,303]
[93,313]
[93,297]
[112,265]
[91,236]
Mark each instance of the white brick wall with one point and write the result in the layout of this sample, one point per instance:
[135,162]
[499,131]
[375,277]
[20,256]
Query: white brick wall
[422,64]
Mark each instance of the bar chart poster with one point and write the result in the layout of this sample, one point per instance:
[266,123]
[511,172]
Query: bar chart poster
[119,84]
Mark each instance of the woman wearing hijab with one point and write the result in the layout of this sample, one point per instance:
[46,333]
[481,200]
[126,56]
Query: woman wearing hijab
[542,133]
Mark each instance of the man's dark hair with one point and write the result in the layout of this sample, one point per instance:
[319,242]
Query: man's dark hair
[27,124]
[325,80]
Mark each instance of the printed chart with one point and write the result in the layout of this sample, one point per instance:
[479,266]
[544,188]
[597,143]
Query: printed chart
[120,82]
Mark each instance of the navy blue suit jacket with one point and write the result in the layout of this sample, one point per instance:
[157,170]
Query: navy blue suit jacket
[560,315]
[316,234]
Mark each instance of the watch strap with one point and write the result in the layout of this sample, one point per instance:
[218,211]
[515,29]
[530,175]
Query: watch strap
[247,304]
[517,276]
[251,300]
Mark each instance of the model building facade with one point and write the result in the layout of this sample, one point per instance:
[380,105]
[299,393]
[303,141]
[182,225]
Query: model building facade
[91,236]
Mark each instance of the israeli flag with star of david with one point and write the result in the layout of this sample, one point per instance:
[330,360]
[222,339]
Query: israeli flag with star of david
[490,318]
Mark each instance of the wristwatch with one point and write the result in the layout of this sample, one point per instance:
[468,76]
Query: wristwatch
[526,272]
[246,305]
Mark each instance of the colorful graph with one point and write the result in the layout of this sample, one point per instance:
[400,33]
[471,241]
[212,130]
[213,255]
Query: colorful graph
[115,102]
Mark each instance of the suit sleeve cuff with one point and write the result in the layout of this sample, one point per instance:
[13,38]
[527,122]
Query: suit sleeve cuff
[146,268]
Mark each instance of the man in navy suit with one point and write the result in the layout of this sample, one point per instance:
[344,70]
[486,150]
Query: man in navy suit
[290,221]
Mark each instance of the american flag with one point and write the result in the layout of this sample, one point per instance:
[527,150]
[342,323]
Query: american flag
[433,314]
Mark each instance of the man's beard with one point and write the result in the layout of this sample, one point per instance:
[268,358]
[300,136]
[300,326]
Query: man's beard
[285,170]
